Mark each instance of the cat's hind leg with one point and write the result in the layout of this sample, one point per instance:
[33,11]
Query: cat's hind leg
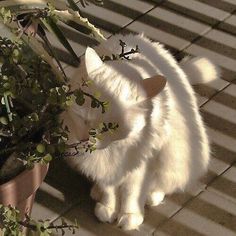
[155,198]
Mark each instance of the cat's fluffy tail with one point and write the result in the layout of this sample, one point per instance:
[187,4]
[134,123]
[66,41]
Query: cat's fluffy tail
[200,70]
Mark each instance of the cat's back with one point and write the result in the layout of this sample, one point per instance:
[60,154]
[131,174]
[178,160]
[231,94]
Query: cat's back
[151,60]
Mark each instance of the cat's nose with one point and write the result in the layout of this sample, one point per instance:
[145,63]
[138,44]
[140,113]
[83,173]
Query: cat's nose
[84,135]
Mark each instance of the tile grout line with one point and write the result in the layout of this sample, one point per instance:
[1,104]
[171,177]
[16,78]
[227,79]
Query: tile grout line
[216,93]
[194,197]
[201,36]
[136,19]
[187,46]
[209,183]
[64,211]
[227,16]
[216,177]
[206,31]
[132,21]
[164,221]
[177,211]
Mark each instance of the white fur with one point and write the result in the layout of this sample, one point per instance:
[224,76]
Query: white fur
[161,145]
[94,64]
[200,70]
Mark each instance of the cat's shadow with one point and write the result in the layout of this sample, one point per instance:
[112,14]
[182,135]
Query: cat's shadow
[77,203]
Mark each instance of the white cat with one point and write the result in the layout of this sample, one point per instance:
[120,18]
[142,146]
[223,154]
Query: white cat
[161,144]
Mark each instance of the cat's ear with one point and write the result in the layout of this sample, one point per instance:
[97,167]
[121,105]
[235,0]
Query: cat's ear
[92,60]
[154,85]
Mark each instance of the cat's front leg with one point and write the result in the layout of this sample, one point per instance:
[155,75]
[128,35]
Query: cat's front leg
[133,195]
[106,207]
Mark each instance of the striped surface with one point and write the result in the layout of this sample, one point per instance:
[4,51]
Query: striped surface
[196,27]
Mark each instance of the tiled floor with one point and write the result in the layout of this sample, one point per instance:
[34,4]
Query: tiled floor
[196,27]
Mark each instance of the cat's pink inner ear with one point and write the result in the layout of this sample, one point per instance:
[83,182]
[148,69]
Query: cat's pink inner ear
[154,85]
[92,60]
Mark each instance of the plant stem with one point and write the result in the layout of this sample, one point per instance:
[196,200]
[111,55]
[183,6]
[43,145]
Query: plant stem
[60,226]
[47,43]
[93,98]
[34,228]
[8,107]
[27,225]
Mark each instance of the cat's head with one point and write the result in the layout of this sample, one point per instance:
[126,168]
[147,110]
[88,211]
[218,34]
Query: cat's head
[129,98]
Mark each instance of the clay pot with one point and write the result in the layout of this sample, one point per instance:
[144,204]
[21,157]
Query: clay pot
[20,191]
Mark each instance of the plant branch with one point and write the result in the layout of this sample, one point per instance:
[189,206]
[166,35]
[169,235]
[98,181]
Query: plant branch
[34,227]
[96,100]
[124,54]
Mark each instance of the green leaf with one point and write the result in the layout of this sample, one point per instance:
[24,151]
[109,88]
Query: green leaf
[3,120]
[92,132]
[80,100]
[47,158]
[97,94]
[34,116]
[52,27]
[6,85]
[40,148]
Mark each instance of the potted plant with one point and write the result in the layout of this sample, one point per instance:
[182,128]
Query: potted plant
[34,91]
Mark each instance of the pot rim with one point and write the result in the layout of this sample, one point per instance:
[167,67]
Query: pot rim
[23,185]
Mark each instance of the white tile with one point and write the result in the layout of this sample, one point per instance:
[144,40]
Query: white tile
[231,2]
[231,20]
[222,139]
[201,100]
[225,185]
[107,15]
[138,5]
[219,59]
[202,8]
[89,225]
[167,208]
[159,233]
[215,86]
[201,223]
[164,15]
[49,203]
[231,174]
[208,214]
[217,166]
[178,20]
[218,201]
[220,110]
[231,90]
[218,84]
[158,35]
[221,37]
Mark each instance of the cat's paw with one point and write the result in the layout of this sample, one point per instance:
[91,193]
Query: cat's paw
[105,213]
[155,198]
[130,221]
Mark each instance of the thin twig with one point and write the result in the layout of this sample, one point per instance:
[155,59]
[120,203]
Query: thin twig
[49,46]
[124,54]
[9,113]
[94,98]
[34,227]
